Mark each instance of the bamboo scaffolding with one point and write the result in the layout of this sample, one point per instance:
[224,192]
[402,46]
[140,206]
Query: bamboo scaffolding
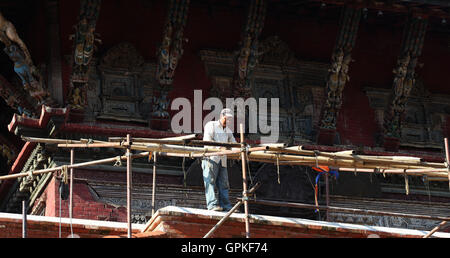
[347,210]
[278,154]
[443,223]
[231,211]
[76,165]
[244,184]
[271,153]
[129,184]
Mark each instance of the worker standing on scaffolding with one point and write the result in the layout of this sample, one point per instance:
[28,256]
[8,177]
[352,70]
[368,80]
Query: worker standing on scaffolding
[215,173]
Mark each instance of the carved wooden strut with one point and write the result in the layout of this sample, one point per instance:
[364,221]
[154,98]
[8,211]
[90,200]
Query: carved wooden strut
[32,79]
[83,50]
[169,54]
[171,48]
[247,57]
[340,61]
[404,80]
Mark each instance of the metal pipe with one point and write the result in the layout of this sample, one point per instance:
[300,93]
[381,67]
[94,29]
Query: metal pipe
[154,184]
[244,184]
[349,210]
[24,219]
[128,155]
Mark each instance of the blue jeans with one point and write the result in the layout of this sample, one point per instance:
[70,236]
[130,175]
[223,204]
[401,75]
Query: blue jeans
[215,176]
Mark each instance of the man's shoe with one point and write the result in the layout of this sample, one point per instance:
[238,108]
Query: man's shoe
[218,208]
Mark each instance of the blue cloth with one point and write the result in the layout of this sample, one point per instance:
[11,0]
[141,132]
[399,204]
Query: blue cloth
[215,177]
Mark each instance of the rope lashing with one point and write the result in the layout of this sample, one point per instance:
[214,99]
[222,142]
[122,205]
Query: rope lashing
[278,167]
[322,170]
[406,182]
[118,162]
[150,154]
[65,174]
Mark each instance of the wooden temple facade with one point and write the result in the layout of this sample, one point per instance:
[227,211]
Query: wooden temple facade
[370,76]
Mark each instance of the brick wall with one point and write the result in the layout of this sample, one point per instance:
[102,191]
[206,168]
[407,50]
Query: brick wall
[48,227]
[85,206]
[194,223]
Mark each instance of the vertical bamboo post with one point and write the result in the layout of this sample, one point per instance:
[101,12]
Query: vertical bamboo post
[327,195]
[154,184]
[244,183]
[447,159]
[24,218]
[71,185]
[128,155]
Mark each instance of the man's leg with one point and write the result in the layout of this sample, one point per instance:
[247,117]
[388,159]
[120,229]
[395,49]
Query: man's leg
[224,186]
[210,171]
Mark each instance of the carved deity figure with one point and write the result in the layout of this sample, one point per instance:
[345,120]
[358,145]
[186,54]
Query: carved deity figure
[76,101]
[9,35]
[85,38]
[21,68]
[164,55]
[160,106]
[17,51]
[7,153]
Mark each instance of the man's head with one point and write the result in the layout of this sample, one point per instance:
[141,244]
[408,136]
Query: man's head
[225,116]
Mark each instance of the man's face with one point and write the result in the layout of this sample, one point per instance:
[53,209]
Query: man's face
[224,120]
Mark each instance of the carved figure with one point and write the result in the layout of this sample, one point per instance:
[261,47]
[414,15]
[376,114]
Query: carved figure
[160,106]
[9,35]
[21,68]
[77,101]
[85,39]
[249,52]
[340,62]
[171,48]
[7,153]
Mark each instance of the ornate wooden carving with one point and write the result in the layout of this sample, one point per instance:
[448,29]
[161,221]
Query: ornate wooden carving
[169,54]
[404,79]
[122,82]
[171,48]
[247,57]
[340,61]
[279,74]
[424,114]
[31,78]
[84,39]
[83,49]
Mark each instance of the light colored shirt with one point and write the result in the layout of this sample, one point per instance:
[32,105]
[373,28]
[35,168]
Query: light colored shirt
[214,131]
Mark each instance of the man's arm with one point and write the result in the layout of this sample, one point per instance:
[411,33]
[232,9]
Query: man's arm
[208,134]
[231,137]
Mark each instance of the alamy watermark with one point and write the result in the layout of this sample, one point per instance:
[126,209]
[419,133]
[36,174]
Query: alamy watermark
[259,113]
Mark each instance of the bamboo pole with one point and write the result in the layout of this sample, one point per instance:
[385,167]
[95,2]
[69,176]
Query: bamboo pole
[349,210]
[140,139]
[129,178]
[77,165]
[71,188]
[154,184]
[24,218]
[435,229]
[338,162]
[447,158]
[244,183]
[231,211]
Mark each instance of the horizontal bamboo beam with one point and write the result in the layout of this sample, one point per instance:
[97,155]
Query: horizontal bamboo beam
[347,210]
[77,165]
